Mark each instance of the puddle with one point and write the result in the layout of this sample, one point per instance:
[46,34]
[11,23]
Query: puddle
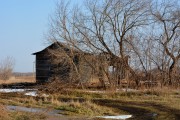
[152,114]
[34,110]
[52,114]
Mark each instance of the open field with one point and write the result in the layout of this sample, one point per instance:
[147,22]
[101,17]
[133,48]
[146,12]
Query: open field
[154,104]
[20,79]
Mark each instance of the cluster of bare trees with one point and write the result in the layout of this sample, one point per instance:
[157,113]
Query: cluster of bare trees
[145,31]
[6,68]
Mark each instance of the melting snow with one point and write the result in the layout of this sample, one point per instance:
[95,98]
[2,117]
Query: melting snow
[11,90]
[129,90]
[119,117]
[29,92]
[32,93]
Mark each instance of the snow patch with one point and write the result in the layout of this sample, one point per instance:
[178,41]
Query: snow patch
[32,93]
[28,92]
[129,90]
[119,117]
[11,90]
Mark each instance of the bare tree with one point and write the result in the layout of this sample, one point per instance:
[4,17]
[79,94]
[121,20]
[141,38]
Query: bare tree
[6,68]
[112,31]
[166,15]
[101,27]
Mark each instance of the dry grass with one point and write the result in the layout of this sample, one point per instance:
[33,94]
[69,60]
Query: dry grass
[82,103]
[4,115]
[27,116]
[86,108]
[21,79]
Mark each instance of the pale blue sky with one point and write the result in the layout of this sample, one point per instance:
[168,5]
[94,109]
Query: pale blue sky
[22,27]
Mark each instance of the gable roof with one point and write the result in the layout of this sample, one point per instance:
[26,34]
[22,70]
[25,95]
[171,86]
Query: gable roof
[54,46]
[59,45]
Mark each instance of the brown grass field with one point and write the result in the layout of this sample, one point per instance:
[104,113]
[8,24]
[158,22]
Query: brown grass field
[82,103]
[20,79]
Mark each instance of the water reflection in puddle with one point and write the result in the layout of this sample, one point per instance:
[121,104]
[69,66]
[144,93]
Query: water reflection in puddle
[58,113]
[34,110]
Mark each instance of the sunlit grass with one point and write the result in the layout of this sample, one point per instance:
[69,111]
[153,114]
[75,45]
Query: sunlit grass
[84,102]
[86,108]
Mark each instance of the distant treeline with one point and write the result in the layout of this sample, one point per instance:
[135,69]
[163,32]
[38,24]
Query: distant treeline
[17,74]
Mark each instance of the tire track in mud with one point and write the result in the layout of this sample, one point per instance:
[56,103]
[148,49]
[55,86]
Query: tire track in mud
[140,111]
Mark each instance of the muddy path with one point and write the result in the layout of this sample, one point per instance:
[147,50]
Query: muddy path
[51,114]
[139,110]
[143,110]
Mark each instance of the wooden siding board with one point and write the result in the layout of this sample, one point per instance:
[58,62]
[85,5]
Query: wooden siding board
[45,68]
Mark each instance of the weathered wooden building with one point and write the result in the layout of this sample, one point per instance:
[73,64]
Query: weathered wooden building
[59,60]
[43,64]
[67,63]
